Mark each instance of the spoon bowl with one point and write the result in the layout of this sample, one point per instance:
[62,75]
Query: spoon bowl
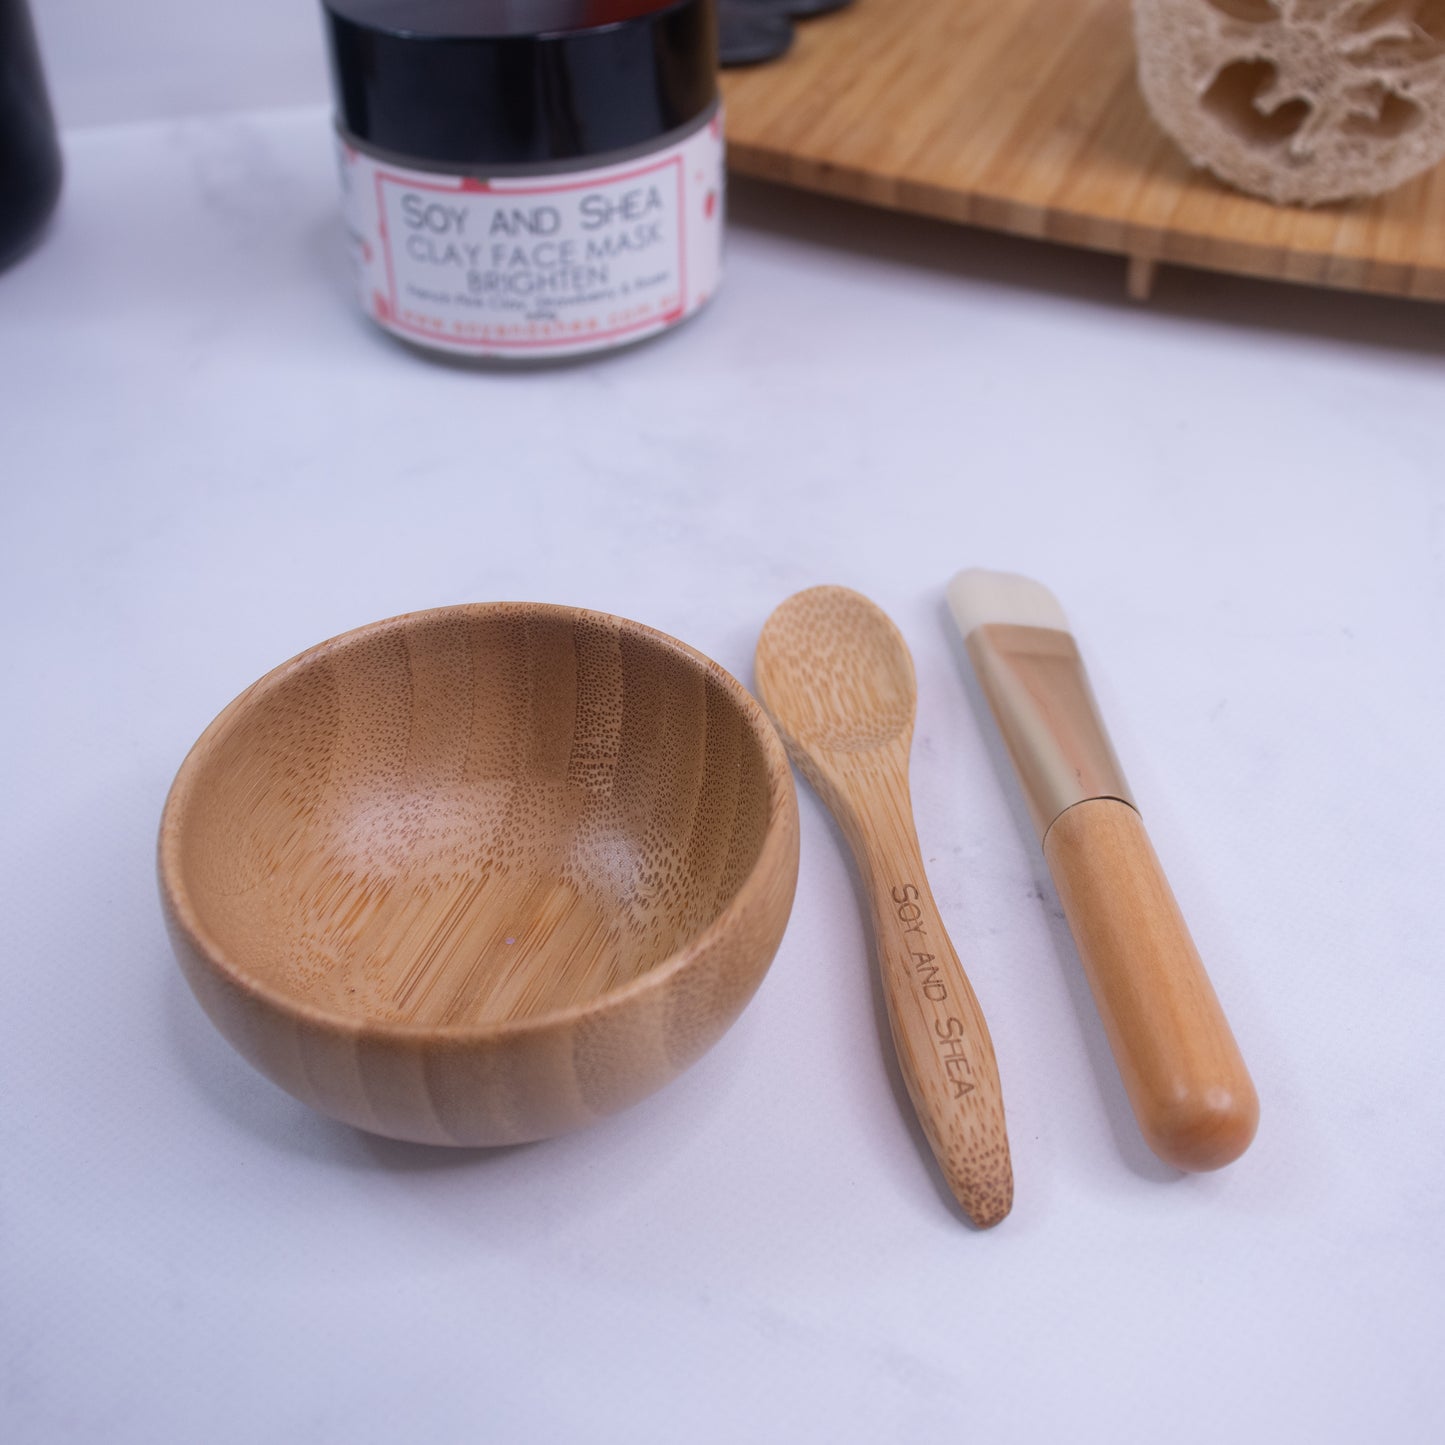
[838,671]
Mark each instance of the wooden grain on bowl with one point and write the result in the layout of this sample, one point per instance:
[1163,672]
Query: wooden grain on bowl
[481,874]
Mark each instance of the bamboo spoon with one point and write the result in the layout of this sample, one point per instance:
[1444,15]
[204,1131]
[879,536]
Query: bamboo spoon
[836,676]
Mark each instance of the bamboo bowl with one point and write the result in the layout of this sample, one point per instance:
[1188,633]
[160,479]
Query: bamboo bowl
[482,874]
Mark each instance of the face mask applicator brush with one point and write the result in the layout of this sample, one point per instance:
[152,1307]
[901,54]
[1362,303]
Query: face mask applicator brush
[1190,1090]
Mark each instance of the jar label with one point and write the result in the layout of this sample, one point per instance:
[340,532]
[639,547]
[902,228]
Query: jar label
[538,265]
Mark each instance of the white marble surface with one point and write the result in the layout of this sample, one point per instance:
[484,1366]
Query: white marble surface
[210,461]
[110,64]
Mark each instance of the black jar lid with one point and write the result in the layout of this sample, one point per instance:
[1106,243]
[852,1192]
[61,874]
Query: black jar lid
[512,82]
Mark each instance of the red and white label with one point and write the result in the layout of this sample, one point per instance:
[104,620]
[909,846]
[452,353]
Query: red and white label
[542,265]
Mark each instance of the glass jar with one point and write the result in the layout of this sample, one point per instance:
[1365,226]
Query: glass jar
[529,180]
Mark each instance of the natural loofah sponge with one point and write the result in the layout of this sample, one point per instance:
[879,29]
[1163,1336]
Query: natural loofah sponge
[1301,101]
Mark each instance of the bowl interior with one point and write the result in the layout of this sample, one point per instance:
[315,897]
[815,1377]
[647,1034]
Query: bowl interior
[470,816]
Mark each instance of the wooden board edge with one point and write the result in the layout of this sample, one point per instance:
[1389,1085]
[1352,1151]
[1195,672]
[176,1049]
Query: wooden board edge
[1138,244]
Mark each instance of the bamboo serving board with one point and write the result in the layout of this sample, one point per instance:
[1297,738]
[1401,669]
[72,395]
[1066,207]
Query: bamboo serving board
[1024,116]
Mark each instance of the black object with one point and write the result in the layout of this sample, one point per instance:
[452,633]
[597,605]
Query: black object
[29,151]
[749,35]
[492,82]
[753,31]
[793,9]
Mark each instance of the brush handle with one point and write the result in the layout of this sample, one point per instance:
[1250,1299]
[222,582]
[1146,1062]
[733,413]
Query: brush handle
[1191,1092]
[940,1038]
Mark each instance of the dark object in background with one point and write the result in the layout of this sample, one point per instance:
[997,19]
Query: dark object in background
[29,151]
[749,35]
[752,31]
[793,9]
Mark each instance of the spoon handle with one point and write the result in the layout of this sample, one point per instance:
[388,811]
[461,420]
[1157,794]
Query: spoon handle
[942,1042]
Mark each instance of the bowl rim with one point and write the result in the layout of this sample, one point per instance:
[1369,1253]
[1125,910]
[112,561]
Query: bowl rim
[775,852]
